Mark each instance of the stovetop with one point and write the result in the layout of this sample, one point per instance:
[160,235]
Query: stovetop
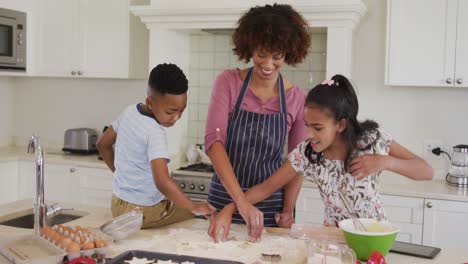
[198,167]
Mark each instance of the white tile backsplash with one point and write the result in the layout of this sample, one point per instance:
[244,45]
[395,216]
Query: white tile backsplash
[206,77]
[207,43]
[221,60]
[223,43]
[204,94]
[207,60]
[202,112]
[211,54]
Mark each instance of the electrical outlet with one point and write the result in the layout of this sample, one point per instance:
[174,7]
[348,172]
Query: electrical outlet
[429,145]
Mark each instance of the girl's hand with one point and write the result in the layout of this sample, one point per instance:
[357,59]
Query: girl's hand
[284,219]
[366,165]
[253,219]
[220,221]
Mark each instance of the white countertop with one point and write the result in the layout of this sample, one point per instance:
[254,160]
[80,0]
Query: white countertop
[435,189]
[149,239]
[20,153]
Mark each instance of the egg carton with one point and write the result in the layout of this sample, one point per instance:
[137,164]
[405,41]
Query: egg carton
[30,249]
[99,252]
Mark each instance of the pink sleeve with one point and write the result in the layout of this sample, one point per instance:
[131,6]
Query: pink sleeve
[218,112]
[298,132]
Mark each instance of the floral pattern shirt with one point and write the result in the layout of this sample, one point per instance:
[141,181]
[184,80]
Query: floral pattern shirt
[329,175]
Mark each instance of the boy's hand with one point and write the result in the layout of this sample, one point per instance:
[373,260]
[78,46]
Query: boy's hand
[220,221]
[284,219]
[203,208]
[366,165]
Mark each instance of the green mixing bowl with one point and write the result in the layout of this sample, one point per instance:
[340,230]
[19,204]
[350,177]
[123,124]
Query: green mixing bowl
[364,243]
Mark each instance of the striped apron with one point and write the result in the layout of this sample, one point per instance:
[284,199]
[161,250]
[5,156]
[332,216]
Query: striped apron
[254,145]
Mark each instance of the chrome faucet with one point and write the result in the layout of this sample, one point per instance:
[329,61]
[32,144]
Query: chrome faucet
[40,209]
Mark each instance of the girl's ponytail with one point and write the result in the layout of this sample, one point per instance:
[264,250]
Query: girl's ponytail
[339,97]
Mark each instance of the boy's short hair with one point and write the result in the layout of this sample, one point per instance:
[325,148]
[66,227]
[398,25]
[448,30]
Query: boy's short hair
[167,78]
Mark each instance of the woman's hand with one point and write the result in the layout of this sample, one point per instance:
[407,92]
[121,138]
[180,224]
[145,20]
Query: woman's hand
[253,219]
[284,219]
[220,221]
[365,165]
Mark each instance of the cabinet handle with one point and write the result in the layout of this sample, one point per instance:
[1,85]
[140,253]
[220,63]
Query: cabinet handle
[459,81]
[80,73]
[73,73]
[429,205]
[72,170]
[448,80]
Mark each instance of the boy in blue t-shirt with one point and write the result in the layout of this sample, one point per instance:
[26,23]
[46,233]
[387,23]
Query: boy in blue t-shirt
[139,161]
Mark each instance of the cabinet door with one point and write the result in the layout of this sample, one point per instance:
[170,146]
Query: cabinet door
[421,38]
[57,45]
[104,38]
[461,67]
[8,181]
[444,224]
[95,186]
[309,207]
[27,179]
[60,183]
[407,213]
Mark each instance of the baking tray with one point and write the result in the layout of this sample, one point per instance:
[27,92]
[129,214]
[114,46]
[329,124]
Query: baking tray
[128,255]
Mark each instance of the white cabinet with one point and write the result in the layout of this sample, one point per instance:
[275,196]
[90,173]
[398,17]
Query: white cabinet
[427,43]
[83,38]
[60,182]
[309,207]
[95,187]
[407,213]
[26,179]
[8,181]
[444,224]
[67,183]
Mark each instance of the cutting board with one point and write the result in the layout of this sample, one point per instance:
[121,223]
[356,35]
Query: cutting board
[307,231]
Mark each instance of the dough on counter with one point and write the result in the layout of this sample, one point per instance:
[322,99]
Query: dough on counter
[187,262]
[166,262]
[136,260]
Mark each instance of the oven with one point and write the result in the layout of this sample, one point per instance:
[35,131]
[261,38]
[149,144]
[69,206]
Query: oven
[12,40]
[194,180]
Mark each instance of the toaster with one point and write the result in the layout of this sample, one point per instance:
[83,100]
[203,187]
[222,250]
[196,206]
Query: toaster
[80,141]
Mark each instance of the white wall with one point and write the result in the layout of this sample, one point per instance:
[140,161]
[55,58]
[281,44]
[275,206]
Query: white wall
[49,106]
[410,114]
[6,111]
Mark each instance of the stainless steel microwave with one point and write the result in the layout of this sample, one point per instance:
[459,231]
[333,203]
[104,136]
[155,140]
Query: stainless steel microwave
[12,40]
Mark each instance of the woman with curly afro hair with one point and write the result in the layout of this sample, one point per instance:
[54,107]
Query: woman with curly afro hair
[252,113]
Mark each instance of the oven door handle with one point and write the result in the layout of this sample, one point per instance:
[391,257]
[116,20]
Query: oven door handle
[196,197]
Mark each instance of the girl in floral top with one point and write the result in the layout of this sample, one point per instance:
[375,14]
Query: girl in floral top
[341,154]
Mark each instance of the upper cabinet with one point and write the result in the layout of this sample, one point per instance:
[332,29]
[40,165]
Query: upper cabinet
[427,43]
[84,38]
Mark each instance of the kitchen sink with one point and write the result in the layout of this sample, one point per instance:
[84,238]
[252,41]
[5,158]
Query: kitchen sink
[25,219]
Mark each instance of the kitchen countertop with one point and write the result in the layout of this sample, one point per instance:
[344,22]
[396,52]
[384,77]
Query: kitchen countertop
[20,153]
[58,157]
[150,239]
[435,189]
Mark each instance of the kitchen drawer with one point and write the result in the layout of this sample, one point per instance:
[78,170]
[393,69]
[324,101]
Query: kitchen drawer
[97,179]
